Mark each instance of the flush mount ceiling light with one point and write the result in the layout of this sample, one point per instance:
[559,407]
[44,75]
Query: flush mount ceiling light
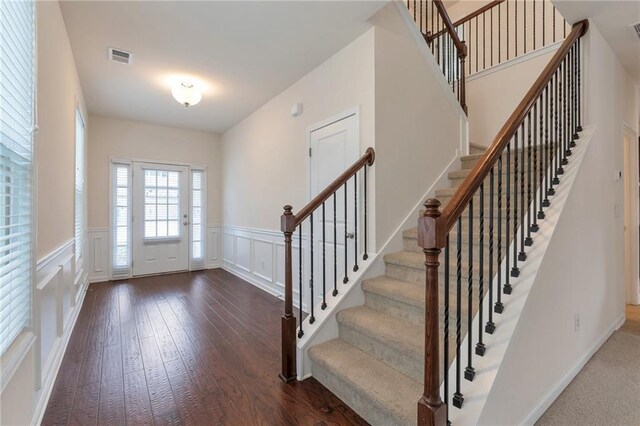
[186,94]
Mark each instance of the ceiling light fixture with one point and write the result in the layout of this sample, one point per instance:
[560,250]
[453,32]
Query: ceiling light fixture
[186,94]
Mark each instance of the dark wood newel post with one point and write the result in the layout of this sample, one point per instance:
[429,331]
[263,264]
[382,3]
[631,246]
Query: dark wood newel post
[431,409]
[288,225]
[463,93]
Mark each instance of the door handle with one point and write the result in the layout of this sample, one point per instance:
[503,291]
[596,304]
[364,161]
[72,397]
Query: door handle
[350,235]
[185,223]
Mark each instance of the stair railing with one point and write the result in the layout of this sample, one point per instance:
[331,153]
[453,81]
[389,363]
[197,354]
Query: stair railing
[537,138]
[502,30]
[447,48]
[290,223]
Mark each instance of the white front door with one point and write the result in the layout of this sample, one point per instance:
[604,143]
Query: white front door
[160,218]
[334,148]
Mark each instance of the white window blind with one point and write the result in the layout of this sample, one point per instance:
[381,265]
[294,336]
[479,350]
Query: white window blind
[121,221]
[197,219]
[17,47]
[79,185]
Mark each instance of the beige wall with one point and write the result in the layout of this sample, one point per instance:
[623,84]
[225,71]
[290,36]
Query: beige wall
[417,129]
[265,155]
[115,138]
[58,93]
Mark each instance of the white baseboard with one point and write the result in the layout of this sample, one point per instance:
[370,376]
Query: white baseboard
[548,399]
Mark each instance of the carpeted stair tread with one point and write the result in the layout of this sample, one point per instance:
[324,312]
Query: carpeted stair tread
[407,259]
[401,291]
[388,330]
[379,393]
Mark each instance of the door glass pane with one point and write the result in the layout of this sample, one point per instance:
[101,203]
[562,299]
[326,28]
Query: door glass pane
[161,204]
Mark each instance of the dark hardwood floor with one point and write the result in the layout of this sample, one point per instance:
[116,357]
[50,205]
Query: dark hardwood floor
[193,348]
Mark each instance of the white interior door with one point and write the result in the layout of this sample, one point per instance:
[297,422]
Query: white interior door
[160,218]
[334,148]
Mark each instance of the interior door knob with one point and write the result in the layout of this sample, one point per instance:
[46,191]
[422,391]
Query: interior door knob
[185,223]
[350,235]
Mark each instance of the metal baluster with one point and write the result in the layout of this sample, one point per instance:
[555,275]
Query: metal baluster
[524,7]
[484,42]
[544,24]
[355,222]
[574,92]
[534,24]
[335,246]
[515,271]
[469,372]
[446,324]
[537,165]
[507,29]
[476,44]
[324,263]
[563,118]
[567,95]
[542,146]
[556,127]
[365,256]
[554,24]
[522,256]
[529,241]
[579,66]
[499,307]
[491,34]
[547,148]
[312,318]
[346,232]
[300,332]
[507,289]
[515,25]
[480,347]
[490,326]
[499,33]
[458,398]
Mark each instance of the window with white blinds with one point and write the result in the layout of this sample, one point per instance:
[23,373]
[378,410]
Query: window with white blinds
[17,47]
[79,185]
[197,219]
[121,221]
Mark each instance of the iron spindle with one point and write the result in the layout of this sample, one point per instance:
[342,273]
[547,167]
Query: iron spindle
[537,166]
[324,262]
[499,307]
[515,271]
[507,289]
[563,116]
[522,256]
[524,8]
[556,134]
[469,372]
[346,235]
[312,318]
[574,101]
[480,347]
[532,134]
[335,245]
[490,326]
[484,42]
[534,25]
[365,256]
[491,33]
[567,94]
[544,26]
[538,212]
[446,325]
[579,128]
[507,38]
[554,24]
[515,25]
[355,222]
[547,149]
[300,332]
[458,398]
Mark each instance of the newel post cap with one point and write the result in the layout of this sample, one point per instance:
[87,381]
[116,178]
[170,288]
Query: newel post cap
[429,226]
[432,208]
[288,220]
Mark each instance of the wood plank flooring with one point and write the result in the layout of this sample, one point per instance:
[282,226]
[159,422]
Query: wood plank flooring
[193,348]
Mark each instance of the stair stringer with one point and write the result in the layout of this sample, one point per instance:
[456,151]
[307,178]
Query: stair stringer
[325,327]
[476,393]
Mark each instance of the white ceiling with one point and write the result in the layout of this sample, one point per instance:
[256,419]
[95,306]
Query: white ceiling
[613,18]
[243,53]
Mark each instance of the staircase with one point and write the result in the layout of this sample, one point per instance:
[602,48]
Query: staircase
[376,365]
[422,322]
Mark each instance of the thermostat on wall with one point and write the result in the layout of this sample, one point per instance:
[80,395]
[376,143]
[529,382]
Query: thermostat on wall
[296,110]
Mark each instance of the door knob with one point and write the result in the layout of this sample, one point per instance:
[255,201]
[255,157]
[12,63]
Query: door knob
[185,223]
[350,235]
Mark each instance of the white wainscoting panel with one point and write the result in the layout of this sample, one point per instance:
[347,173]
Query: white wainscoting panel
[213,246]
[257,256]
[99,258]
[57,301]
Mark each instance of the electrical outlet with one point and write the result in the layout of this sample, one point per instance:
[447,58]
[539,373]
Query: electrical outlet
[576,322]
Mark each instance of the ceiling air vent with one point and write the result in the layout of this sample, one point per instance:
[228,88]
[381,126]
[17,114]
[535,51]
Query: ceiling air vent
[636,28]
[120,56]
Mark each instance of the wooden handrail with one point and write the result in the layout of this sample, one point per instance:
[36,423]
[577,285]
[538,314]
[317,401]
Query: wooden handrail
[449,27]
[470,16]
[471,184]
[367,159]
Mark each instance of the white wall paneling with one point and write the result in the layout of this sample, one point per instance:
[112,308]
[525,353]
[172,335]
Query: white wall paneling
[213,246]
[98,264]
[57,302]
[257,256]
